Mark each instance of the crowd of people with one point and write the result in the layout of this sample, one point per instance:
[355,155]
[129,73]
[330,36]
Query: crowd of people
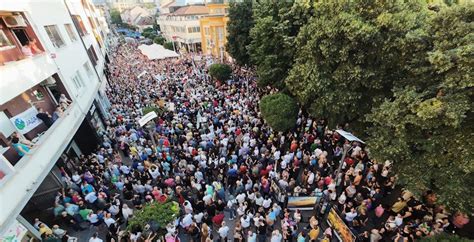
[210,151]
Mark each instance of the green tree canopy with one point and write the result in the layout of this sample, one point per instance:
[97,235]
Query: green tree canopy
[115,16]
[168,45]
[220,72]
[160,214]
[280,111]
[351,53]
[238,28]
[427,128]
[159,40]
[444,237]
[272,45]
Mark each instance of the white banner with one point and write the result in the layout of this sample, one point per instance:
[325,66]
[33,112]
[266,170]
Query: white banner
[145,119]
[26,121]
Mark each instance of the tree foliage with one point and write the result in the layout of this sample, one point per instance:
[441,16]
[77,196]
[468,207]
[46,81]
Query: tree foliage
[159,40]
[444,237]
[279,111]
[157,213]
[427,128]
[220,72]
[115,16]
[238,28]
[351,53]
[168,45]
[272,45]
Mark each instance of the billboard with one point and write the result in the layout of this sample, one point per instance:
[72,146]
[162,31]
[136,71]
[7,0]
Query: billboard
[340,228]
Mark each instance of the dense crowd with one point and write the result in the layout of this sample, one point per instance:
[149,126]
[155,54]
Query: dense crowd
[231,175]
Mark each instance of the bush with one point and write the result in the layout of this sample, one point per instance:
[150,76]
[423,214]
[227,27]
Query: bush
[280,111]
[149,109]
[220,72]
[159,40]
[444,237]
[158,215]
[168,45]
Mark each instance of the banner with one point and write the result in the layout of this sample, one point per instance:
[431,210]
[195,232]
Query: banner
[301,203]
[342,232]
[26,121]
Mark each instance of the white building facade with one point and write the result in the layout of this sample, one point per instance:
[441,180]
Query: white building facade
[48,48]
[182,26]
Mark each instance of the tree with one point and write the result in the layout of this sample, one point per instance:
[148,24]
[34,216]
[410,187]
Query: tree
[427,127]
[220,72]
[280,111]
[272,45]
[115,17]
[444,237]
[351,54]
[159,40]
[157,214]
[238,28]
[168,45]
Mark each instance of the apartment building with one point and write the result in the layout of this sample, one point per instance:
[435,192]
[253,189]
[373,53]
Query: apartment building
[50,51]
[214,29]
[181,25]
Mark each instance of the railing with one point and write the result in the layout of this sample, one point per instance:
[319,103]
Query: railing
[26,176]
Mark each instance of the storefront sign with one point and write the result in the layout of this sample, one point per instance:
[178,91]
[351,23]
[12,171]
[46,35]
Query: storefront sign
[26,121]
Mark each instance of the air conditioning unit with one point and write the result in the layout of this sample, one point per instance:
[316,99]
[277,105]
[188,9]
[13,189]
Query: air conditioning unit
[14,21]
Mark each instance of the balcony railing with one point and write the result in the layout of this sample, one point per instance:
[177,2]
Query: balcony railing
[17,187]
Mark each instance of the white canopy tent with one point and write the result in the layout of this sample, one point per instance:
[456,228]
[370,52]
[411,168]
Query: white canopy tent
[156,51]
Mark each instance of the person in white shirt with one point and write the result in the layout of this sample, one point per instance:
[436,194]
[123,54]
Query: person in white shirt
[109,220]
[187,220]
[95,238]
[198,217]
[240,198]
[276,236]
[245,221]
[126,212]
[351,215]
[259,200]
[223,231]
[267,203]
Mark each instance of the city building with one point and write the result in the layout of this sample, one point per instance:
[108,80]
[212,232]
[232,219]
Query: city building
[214,30]
[47,61]
[181,25]
[139,16]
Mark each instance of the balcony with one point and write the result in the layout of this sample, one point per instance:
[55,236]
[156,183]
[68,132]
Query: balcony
[19,76]
[22,180]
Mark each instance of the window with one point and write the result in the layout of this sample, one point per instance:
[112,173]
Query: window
[92,55]
[220,32]
[4,41]
[88,69]
[54,36]
[194,29]
[70,32]
[206,30]
[79,25]
[78,82]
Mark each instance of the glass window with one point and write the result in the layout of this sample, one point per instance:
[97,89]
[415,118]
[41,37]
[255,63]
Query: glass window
[220,32]
[88,69]
[54,35]
[70,32]
[4,41]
